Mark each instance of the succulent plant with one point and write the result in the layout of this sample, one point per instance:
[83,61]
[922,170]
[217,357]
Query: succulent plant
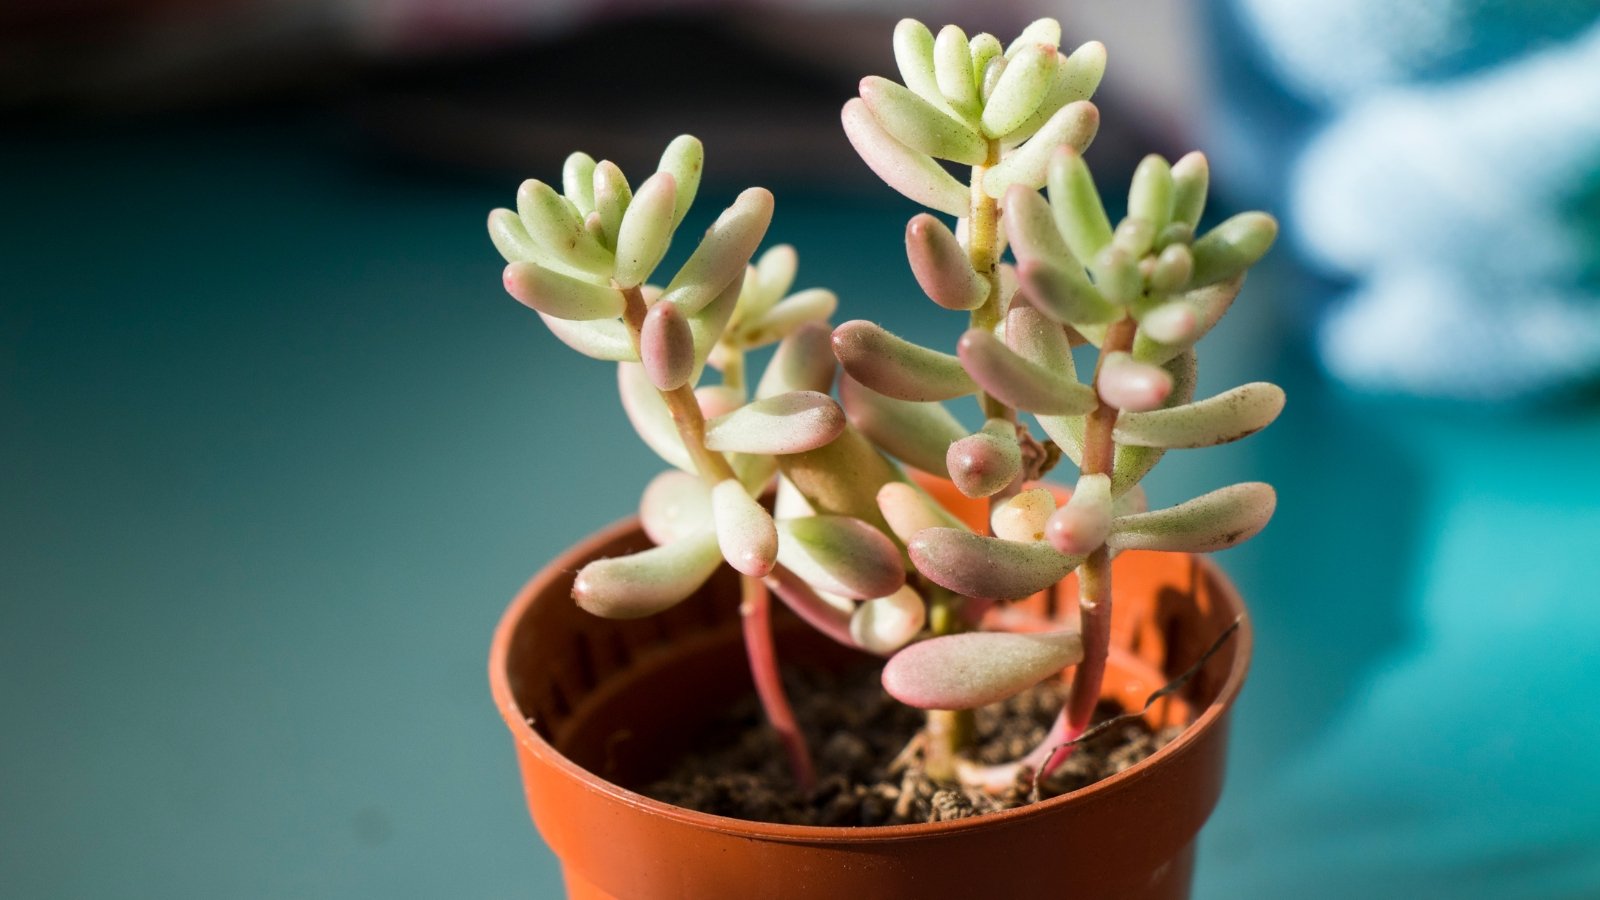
[848,540]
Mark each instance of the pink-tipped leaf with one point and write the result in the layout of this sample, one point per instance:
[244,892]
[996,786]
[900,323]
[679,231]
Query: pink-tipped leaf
[723,253]
[916,175]
[895,367]
[1020,382]
[919,125]
[1214,521]
[666,346]
[917,434]
[745,530]
[1081,526]
[1028,166]
[841,555]
[966,671]
[646,229]
[787,423]
[941,266]
[675,505]
[1228,416]
[988,568]
[562,296]
[1132,386]
[645,583]
[908,509]
[985,463]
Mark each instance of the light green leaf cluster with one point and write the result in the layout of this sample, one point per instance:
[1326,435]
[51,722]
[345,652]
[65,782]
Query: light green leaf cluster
[972,102]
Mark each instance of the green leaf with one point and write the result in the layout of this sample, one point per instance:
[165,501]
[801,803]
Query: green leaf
[1075,78]
[602,339]
[1075,124]
[649,416]
[987,568]
[611,198]
[684,159]
[918,434]
[723,253]
[1020,382]
[897,368]
[841,555]
[1232,247]
[977,668]
[1150,193]
[745,530]
[577,182]
[913,174]
[1076,204]
[1214,521]
[1226,417]
[1191,177]
[557,232]
[646,230]
[921,126]
[645,583]
[1023,86]
[562,296]
[941,267]
[803,362]
[952,67]
[788,423]
[913,55]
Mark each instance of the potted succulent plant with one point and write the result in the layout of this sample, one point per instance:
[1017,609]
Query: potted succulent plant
[888,529]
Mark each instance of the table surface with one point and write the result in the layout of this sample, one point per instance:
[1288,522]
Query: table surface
[278,450]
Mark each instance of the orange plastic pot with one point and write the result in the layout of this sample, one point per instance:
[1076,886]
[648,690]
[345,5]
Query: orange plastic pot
[595,704]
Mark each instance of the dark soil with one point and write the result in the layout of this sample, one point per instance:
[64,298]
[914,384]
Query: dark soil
[856,732]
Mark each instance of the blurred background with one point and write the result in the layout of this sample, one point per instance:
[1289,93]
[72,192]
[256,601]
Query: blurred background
[277,449]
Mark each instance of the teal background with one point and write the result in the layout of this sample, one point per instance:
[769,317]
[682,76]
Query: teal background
[277,450]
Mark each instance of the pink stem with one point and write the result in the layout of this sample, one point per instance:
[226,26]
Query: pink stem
[755,611]
[799,597]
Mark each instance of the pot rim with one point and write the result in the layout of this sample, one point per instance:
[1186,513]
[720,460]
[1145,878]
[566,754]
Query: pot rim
[576,555]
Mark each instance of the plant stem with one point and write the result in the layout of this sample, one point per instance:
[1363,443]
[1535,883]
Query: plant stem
[755,613]
[1094,576]
[712,466]
[948,730]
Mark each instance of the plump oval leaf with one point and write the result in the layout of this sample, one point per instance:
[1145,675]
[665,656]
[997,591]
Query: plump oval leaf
[745,530]
[724,252]
[1214,521]
[1020,382]
[1191,177]
[1076,77]
[916,175]
[646,230]
[649,416]
[803,362]
[884,624]
[645,583]
[985,463]
[1075,124]
[813,305]
[561,296]
[1081,526]
[1076,204]
[1208,304]
[987,568]
[1228,416]
[684,159]
[603,339]
[908,510]
[1232,247]
[895,367]
[553,227]
[977,668]
[920,125]
[612,196]
[1023,516]
[913,56]
[952,67]
[577,182]
[917,434]
[675,505]
[941,266]
[1132,386]
[1022,87]
[666,346]
[787,423]
[841,555]
[1150,192]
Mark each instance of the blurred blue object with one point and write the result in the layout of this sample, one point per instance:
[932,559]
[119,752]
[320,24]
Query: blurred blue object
[1452,168]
